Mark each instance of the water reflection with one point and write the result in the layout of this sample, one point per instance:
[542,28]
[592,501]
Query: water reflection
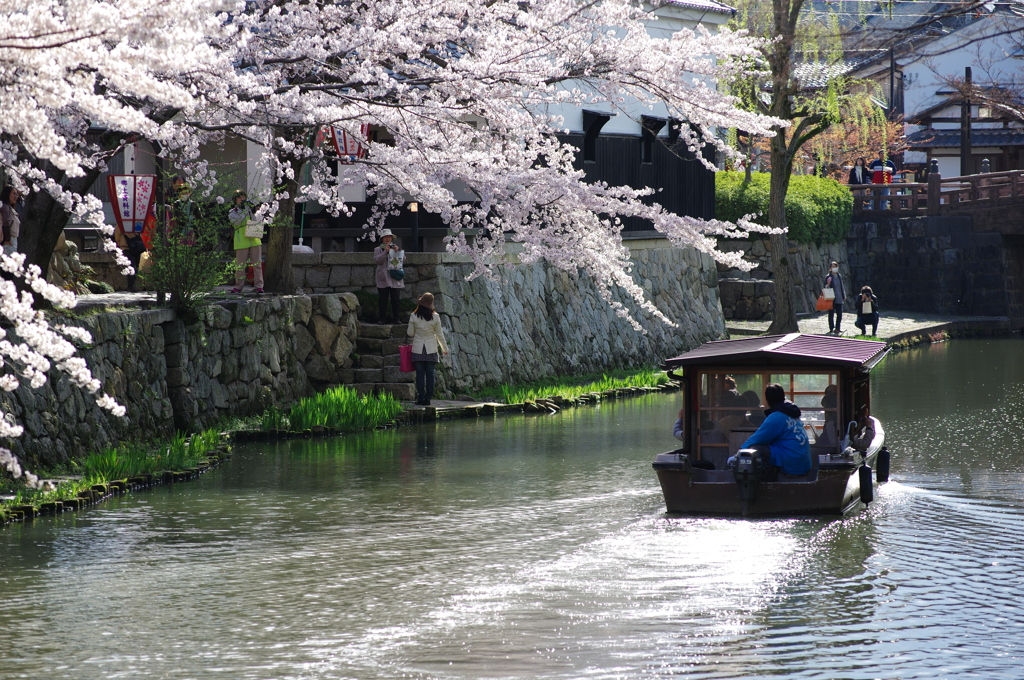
[538,547]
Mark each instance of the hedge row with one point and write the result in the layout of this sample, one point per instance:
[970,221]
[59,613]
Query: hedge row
[818,209]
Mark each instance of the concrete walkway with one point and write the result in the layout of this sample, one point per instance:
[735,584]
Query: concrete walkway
[893,326]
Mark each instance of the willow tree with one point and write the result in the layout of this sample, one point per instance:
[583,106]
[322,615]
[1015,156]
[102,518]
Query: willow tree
[805,87]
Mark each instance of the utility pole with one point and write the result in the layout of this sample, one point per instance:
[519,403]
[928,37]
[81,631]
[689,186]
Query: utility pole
[965,126]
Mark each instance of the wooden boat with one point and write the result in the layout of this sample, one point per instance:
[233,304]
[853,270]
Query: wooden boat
[723,393]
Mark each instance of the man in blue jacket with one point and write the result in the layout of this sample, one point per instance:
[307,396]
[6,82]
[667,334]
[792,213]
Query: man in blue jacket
[783,434]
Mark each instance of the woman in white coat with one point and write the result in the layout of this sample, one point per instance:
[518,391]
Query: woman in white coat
[427,338]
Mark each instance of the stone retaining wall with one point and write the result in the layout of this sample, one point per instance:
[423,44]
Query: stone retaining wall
[934,264]
[749,295]
[534,320]
[239,358]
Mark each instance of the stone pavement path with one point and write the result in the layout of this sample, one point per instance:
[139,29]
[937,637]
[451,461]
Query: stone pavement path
[892,324]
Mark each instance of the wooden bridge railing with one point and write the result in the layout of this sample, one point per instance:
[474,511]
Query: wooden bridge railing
[940,194]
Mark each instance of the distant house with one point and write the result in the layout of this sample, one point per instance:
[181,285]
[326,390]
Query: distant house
[914,52]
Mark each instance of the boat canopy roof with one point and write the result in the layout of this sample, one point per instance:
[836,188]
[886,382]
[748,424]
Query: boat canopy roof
[795,348]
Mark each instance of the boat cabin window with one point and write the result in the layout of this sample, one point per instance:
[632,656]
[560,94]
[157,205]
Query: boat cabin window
[732,407]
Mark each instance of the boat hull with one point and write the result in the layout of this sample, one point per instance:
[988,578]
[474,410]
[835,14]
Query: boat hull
[715,493]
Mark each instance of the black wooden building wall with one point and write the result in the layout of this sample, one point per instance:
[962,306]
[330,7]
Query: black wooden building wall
[686,188]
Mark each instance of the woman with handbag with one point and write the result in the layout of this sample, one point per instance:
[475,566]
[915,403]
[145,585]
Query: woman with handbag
[248,246]
[834,282]
[427,338]
[390,272]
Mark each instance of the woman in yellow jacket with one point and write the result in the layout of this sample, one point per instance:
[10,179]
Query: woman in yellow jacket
[427,338]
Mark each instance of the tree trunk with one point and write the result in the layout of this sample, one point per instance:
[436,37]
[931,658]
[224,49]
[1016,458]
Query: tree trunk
[46,218]
[784,315]
[280,233]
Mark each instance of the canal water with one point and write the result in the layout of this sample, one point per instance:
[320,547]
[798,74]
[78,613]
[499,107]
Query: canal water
[537,547]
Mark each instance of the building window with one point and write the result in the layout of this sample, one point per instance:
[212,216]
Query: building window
[593,121]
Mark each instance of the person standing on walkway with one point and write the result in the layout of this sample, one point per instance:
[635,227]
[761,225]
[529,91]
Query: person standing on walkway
[389,274]
[427,338]
[834,281]
[867,311]
[248,249]
[11,219]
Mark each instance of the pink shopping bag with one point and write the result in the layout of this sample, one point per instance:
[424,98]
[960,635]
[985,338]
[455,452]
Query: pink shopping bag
[405,359]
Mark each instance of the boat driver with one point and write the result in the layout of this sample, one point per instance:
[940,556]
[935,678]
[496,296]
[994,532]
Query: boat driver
[782,433]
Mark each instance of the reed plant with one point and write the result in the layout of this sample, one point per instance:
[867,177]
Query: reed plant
[340,408]
[568,389]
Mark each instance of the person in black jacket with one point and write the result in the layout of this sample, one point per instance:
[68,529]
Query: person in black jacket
[859,173]
[867,311]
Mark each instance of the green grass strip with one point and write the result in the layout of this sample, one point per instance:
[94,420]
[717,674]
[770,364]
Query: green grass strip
[338,408]
[572,388]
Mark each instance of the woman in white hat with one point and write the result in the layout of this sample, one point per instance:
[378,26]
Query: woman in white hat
[390,272]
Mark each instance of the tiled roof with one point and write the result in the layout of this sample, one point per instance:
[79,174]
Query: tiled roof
[708,5]
[946,139]
[797,348]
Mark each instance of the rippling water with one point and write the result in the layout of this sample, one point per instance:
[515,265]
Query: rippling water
[537,547]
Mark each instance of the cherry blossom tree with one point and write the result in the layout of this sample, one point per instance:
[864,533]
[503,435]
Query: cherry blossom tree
[469,95]
[126,67]
[117,68]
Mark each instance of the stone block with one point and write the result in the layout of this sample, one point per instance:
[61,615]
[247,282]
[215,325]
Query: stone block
[392,374]
[174,332]
[325,333]
[319,368]
[351,301]
[400,391]
[341,275]
[364,277]
[392,360]
[178,377]
[368,375]
[220,317]
[176,355]
[306,259]
[375,331]
[303,341]
[219,395]
[391,346]
[371,361]
[369,345]
[341,350]
[302,308]
[330,307]
[363,388]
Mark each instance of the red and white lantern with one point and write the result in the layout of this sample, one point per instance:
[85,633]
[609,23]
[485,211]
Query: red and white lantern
[350,147]
[132,199]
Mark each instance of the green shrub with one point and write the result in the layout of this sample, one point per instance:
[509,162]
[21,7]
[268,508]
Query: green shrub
[186,262]
[818,209]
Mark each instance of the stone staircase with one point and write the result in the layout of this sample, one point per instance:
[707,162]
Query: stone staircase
[376,368]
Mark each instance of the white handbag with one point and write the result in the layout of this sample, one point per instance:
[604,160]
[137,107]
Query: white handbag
[828,293]
[254,229]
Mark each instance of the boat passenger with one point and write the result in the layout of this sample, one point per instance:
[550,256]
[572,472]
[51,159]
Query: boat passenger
[865,433]
[755,417]
[783,433]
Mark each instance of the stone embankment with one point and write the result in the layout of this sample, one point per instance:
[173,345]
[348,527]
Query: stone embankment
[534,321]
[239,358]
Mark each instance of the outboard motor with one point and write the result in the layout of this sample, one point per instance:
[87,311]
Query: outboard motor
[748,472]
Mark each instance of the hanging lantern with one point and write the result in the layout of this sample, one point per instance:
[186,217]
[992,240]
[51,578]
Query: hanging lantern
[350,147]
[132,197]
